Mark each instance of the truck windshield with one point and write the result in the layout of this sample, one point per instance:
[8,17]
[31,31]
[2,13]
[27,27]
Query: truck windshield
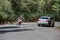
[43,18]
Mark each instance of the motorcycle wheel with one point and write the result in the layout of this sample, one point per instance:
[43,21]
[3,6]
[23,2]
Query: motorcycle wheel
[19,23]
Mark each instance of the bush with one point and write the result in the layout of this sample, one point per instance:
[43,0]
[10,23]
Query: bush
[32,17]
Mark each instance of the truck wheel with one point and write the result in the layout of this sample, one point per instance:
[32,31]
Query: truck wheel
[38,24]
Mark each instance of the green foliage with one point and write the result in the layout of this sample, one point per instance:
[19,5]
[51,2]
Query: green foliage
[6,12]
[31,9]
[32,16]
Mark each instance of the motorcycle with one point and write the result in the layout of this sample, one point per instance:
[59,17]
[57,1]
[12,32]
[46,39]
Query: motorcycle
[20,22]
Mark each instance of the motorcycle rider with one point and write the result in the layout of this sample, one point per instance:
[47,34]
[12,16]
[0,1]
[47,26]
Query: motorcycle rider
[20,19]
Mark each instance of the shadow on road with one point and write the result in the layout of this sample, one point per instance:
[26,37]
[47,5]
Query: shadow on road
[45,26]
[15,30]
[6,27]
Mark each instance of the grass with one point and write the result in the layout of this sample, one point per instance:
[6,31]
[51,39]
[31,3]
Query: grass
[58,27]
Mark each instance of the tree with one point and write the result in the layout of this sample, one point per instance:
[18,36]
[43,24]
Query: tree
[5,10]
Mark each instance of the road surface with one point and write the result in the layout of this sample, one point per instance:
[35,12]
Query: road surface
[29,31]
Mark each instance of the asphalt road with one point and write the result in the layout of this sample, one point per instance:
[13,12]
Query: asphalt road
[29,31]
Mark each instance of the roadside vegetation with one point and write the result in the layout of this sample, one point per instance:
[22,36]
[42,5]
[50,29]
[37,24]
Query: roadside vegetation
[10,10]
[58,28]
